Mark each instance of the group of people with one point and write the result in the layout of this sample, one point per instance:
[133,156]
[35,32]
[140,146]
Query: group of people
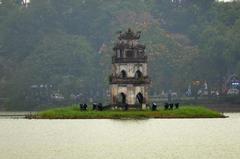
[170,106]
[96,106]
[167,106]
[99,106]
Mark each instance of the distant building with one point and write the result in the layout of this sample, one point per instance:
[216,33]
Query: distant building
[25,2]
[129,80]
[232,83]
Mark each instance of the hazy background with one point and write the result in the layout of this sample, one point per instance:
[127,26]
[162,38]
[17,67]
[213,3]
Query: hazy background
[54,51]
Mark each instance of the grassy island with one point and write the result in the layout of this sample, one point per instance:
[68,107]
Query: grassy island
[75,113]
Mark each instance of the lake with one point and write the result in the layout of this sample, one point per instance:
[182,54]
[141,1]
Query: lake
[121,139]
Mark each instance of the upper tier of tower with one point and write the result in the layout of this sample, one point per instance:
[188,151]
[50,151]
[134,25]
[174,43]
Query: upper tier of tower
[128,49]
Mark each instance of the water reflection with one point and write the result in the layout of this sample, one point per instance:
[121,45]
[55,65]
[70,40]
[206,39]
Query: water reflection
[154,138]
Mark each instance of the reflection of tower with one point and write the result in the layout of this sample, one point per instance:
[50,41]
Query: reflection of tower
[129,80]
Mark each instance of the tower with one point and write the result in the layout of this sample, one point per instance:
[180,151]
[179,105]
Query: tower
[129,79]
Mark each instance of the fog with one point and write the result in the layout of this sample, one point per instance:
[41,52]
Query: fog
[60,52]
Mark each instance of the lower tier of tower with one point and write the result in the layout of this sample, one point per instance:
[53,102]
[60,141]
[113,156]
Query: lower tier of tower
[129,94]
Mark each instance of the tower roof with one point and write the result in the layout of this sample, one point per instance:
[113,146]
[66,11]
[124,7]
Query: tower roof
[129,35]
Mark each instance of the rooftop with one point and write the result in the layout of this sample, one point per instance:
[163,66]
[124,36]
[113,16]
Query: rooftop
[129,35]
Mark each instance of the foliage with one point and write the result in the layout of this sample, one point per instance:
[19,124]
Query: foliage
[75,113]
[68,44]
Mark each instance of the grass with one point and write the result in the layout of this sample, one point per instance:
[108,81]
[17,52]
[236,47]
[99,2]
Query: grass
[75,113]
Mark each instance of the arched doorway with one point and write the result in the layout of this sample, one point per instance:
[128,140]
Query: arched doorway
[123,74]
[121,98]
[138,74]
[139,98]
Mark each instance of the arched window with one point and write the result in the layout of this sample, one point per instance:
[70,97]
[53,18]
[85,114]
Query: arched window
[123,74]
[138,74]
[121,98]
[129,54]
[139,98]
[118,53]
[140,53]
[121,53]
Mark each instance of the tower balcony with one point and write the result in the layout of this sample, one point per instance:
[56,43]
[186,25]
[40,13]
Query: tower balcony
[142,59]
[128,46]
[117,80]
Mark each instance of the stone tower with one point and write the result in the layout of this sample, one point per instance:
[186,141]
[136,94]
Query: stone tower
[129,79]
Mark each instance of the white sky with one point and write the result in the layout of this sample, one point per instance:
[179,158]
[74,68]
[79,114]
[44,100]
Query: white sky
[225,0]
[217,0]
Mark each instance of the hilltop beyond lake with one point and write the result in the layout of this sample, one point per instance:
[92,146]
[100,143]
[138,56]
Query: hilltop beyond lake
[153,138]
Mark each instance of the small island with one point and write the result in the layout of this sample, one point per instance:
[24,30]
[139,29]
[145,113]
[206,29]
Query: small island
[73,112]
[129,84]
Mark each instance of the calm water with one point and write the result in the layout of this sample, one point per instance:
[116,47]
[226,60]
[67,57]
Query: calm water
[115,139]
